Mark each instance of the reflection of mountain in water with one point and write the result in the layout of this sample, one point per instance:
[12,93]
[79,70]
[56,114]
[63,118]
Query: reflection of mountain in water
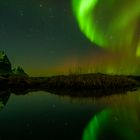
[4,96]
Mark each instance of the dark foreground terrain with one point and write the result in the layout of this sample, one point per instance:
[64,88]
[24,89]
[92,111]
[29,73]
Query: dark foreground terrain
[83,85]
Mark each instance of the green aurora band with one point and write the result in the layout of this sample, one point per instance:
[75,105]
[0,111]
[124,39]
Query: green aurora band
[113,24]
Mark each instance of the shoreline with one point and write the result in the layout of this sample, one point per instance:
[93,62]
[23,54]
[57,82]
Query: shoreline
[84,85]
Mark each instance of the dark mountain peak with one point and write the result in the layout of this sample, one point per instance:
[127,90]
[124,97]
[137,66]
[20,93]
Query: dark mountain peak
[5,65]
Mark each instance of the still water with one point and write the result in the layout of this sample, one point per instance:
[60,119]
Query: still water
[41,115]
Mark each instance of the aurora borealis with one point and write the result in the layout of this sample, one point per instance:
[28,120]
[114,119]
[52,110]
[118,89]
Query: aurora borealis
[48,37]
[111,23]
[58,37]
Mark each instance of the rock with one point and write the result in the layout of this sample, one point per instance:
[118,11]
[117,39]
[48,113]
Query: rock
[5,65]
[19,71]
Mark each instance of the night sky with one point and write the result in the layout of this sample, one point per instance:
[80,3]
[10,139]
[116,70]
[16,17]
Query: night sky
[44,38]
[40,35]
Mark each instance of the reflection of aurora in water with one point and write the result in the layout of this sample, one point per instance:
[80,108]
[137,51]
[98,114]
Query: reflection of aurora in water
[120,121]
[107,125]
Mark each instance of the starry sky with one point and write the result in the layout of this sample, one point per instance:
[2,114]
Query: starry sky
[41,35]
[44,38]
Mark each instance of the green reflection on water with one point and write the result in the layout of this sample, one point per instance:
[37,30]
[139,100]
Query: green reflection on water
[92,130]
[120,121]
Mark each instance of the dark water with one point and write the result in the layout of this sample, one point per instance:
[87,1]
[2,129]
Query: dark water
[41,115]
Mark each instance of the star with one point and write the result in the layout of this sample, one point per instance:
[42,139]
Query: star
[51,13]
[21,13]
[40,5]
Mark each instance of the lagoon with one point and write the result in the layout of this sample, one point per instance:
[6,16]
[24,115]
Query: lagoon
[42,115]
